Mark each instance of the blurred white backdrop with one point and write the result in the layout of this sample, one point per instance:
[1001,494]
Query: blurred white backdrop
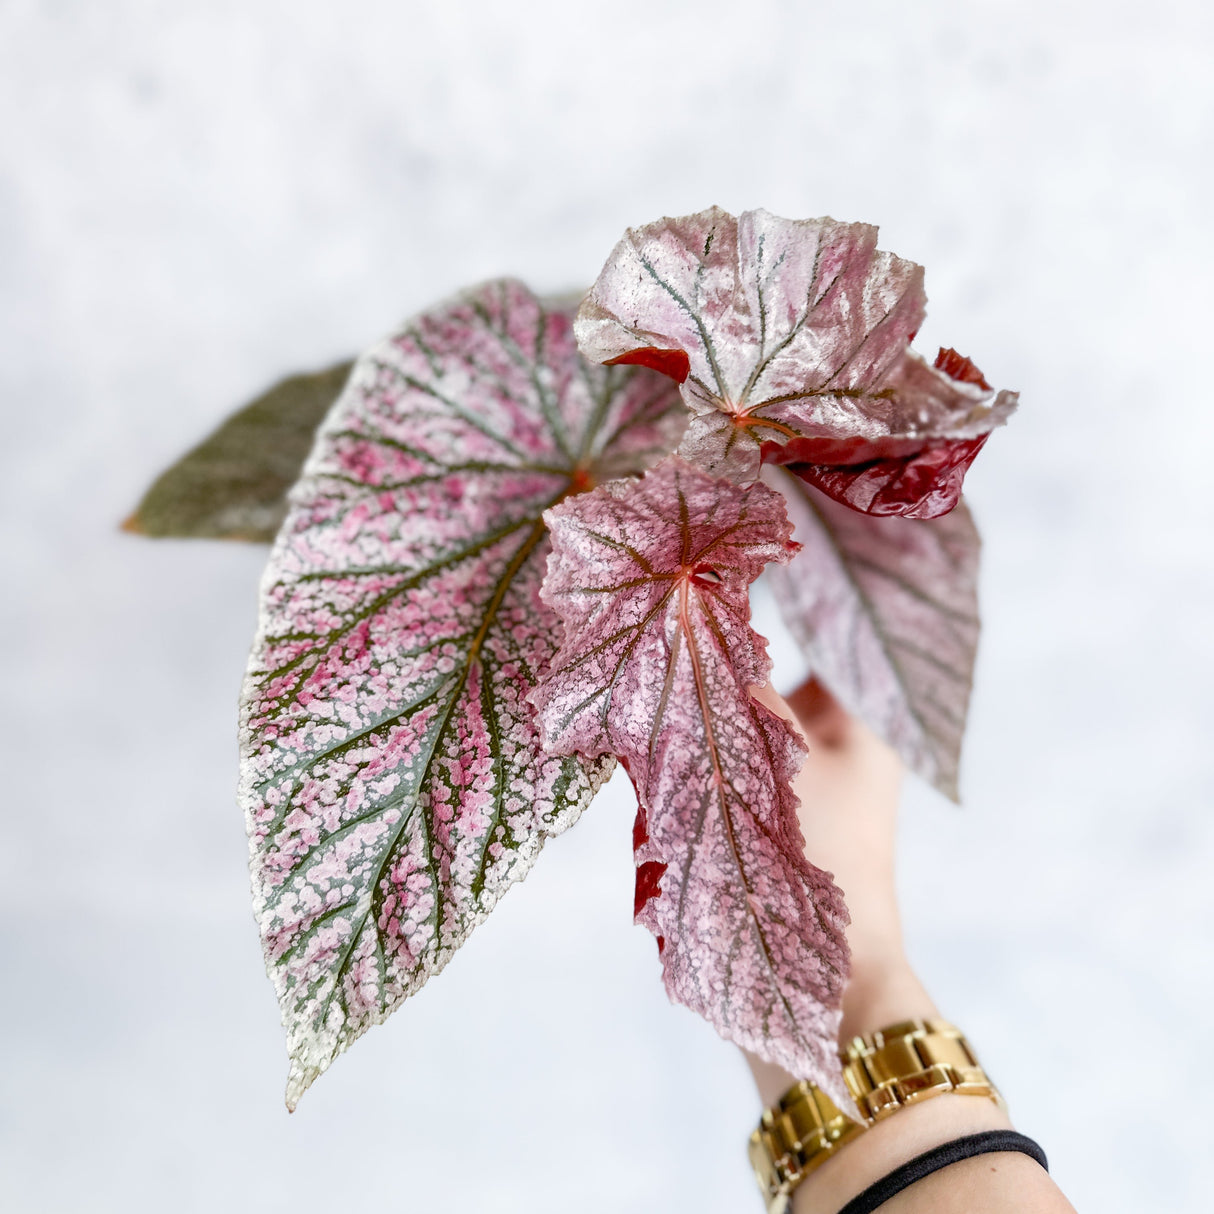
[197,198]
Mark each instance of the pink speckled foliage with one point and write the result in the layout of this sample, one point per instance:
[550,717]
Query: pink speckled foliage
[651,582]
[791,340]
[886,611]
[392,774]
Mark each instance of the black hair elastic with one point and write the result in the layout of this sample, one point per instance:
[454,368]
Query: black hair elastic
[940,1157]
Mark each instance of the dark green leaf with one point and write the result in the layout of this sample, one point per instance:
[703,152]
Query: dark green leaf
[233,485]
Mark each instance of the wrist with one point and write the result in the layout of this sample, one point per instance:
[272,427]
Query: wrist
[878,993]
[894,1073]
[881,992]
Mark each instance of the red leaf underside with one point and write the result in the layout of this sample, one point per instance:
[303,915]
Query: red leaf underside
[924,485]
[672,363]
[923,481]
[640,828]
[648,883]
[957,366]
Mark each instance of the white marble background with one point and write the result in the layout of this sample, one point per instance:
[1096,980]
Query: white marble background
[198,197]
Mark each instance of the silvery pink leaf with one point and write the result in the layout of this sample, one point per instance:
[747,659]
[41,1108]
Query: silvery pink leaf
[791,341]
[651,582]
[392,775]
[886,612]
[233,485]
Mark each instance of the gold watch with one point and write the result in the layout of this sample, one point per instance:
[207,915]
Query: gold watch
[895,1066]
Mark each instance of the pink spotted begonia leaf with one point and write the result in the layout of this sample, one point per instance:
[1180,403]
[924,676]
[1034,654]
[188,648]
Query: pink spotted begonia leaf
[791,342]
[886,612]
[392,775]
[651,582]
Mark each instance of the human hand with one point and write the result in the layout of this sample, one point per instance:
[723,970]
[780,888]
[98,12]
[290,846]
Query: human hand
[849,789]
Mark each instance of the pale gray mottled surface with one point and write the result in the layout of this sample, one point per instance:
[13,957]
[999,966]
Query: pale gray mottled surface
[196,198]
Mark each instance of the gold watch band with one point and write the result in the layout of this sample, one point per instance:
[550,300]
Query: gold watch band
[892,1067]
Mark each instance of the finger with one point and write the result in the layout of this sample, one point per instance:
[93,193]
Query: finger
[821,716]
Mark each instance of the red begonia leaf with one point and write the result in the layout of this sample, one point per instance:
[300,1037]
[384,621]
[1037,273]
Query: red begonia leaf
[797,336]
[886,612]
[392,774]
[651,582]
[923,485]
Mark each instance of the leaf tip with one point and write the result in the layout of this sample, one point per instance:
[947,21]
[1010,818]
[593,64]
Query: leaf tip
[132,524]
[299,1080]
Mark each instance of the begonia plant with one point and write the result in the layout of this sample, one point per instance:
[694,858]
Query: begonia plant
[521,549]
